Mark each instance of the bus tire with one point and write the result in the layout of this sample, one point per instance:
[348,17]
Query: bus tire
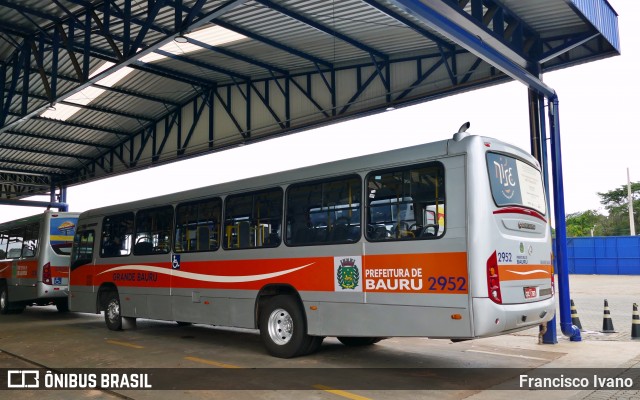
[283,328]
[4,299]
[7,307]
[358,341]
[62,306]
[112,315]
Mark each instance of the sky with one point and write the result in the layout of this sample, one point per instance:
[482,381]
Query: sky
[597,105]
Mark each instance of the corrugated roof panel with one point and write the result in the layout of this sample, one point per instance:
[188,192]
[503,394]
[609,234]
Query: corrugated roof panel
[157,85]
[603,17]
[129,104]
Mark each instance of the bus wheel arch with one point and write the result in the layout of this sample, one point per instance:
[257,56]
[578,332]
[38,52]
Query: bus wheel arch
[270,291]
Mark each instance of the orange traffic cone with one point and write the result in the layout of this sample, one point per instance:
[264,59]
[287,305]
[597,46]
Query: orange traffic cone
[607,324]
[635,323]
[575,319]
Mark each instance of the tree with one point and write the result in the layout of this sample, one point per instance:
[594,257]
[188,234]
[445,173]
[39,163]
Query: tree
[616,202]
[582,223]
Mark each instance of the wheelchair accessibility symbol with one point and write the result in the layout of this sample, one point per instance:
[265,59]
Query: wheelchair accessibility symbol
[175,261]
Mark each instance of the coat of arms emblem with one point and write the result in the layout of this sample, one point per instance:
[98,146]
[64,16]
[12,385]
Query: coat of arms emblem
[348,275]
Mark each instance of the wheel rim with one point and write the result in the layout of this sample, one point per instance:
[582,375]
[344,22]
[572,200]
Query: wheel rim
[3,300]
[280,326]
[113,311]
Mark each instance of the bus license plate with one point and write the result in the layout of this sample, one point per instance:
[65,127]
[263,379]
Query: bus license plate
[530,292]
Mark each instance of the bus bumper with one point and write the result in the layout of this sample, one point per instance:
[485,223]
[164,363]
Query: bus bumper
[491,319]
[45,291]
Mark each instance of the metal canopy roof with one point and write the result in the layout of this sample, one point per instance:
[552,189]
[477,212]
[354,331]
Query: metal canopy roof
[96,88]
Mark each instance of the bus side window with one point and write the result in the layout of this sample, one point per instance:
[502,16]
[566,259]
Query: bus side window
[117,231]
[253,219]
[153,231]
[197,225]
[30,243]
[406,203]
[16,237]
[82,252]
[326,211]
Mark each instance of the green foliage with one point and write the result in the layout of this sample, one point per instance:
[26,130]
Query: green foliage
[616,223]
[581,223]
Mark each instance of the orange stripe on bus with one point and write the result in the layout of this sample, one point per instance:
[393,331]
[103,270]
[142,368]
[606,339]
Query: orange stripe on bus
[444,273]
[525,272]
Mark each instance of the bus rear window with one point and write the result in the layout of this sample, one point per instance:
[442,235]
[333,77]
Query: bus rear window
[514,182]
[61,233]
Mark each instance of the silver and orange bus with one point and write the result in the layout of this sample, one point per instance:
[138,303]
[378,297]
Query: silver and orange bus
[34,260]
[443,240]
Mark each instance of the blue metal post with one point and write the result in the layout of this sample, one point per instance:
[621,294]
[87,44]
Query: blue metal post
[551,335]
[568,329]
[64,206]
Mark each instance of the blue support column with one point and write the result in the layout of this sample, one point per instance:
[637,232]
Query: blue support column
[551,335]
[55,201]
[564,305]
[538,132]
[63,199]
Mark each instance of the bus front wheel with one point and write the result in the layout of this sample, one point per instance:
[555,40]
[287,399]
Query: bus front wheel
[112,315]
[282,327]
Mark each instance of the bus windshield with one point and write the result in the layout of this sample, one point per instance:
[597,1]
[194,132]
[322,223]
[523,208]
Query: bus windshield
[514,182]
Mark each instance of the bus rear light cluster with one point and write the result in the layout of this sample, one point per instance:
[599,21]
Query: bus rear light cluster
[493,279]
[46,274]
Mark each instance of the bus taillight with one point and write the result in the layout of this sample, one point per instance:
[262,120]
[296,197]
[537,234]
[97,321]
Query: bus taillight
[493,279]
[46,274]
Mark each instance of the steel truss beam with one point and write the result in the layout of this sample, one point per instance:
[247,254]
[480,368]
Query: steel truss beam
[62,35]
[173,137]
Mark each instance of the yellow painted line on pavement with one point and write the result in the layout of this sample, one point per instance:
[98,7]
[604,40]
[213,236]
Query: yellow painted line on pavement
[211,362]
[341,393]
[125,344]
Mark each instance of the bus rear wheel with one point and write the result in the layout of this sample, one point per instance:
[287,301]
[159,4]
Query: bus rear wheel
[283,329]
[4,300]
[6,306]
[112,315]
[62,306]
